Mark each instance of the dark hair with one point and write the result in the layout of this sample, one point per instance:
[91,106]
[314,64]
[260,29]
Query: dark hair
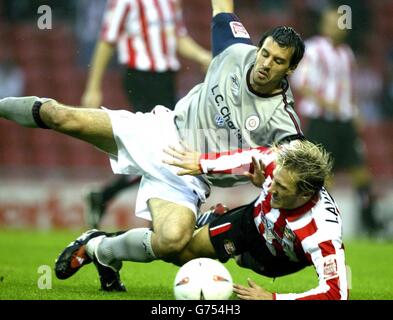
[286,37]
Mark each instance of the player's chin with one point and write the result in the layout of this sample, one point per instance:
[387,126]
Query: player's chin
[275,203]
[261,81]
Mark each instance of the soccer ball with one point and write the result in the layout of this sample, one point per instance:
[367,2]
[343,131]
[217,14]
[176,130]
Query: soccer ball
[203,279]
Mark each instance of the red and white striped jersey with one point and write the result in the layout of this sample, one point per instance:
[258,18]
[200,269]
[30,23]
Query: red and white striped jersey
[327,70]
[311,233]
[145,33]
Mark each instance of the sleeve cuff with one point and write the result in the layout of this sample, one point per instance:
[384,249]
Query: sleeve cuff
[203,166]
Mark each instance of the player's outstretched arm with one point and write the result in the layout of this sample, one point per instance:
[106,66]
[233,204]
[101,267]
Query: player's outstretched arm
[90,125]
[220,6]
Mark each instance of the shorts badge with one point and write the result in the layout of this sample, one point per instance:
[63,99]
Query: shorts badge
[229,247]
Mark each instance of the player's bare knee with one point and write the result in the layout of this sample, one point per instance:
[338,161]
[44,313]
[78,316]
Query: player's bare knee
[174,241]
[174,245]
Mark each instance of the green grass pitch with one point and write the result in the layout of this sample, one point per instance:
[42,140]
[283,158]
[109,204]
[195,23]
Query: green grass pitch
[22,252]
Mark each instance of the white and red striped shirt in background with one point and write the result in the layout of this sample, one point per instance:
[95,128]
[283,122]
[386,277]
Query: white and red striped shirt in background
[310,233]
[145,33]
[329,72]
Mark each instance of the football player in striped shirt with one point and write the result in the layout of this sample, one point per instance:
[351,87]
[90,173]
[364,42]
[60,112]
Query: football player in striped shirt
[293,223]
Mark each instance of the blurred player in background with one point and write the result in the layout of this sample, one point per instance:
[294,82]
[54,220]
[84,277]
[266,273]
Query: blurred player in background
[245,101]
[324,81]
[12,77]
[148,36]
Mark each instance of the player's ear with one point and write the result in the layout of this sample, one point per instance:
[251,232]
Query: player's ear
[291,69]
[307,195]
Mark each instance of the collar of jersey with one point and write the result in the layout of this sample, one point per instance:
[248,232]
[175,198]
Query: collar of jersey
[294,214]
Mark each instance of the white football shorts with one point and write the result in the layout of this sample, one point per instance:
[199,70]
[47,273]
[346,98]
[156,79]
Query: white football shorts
[140,139]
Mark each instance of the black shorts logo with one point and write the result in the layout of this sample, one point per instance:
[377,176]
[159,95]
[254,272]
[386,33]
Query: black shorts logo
[229,247]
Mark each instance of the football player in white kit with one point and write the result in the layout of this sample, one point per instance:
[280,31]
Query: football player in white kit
[245,101]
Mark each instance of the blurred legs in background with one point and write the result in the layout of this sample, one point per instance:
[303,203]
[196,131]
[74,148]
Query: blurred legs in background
[97,200]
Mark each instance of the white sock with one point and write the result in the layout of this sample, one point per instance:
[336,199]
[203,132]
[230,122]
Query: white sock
[134,245]
[20,110]
[92,248]
[92,245]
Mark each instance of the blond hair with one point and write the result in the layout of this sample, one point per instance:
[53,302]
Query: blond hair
[310,162]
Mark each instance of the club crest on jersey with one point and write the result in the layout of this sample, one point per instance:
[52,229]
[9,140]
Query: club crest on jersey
[238,30]
[219,120]
[252,122]
[288,233]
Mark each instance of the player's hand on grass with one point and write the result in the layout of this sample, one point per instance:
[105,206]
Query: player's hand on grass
[253,292]
[183,158]
[256,173]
